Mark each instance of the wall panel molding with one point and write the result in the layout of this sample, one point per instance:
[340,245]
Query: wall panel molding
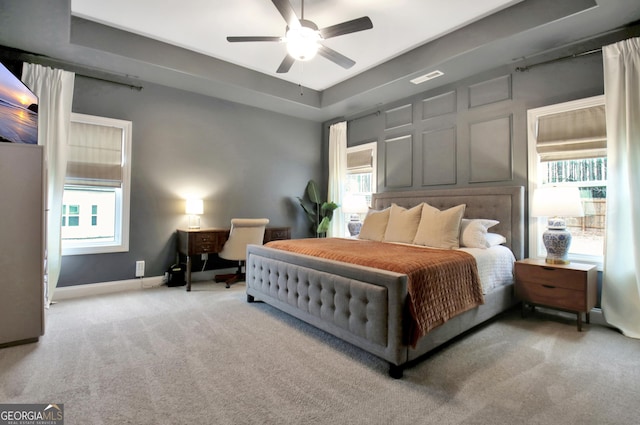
[490,91]
[398,161]
[490,150]
[436,106]
[398,116]
[439,157]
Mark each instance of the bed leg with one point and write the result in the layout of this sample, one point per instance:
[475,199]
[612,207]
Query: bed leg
[250,298]
[395,371]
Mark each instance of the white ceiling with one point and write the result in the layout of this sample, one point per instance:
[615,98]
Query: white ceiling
[202,26]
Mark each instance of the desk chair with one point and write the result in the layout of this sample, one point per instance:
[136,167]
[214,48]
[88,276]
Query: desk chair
[244,231]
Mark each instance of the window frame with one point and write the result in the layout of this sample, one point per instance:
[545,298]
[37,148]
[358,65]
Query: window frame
[123,194]
[538,224]
[373,146]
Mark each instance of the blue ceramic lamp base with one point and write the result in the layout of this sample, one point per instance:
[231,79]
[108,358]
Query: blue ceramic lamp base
[557,240]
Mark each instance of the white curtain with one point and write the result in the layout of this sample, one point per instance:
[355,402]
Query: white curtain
[621,285]
[54,88]
[337,173]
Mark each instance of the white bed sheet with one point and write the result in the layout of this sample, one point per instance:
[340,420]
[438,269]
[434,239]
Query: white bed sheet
[495,266]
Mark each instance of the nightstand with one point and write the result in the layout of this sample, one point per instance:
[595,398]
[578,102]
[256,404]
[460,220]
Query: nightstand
[568,287]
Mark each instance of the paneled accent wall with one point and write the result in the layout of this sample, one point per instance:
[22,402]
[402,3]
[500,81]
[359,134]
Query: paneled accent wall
[490,91]
[454,136]
[398,160]
[439,152]
[490,150]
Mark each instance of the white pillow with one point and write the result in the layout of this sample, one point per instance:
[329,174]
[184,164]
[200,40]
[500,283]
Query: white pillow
[494,239]
[374,225]
[473,232]
[439,229]
[403,224]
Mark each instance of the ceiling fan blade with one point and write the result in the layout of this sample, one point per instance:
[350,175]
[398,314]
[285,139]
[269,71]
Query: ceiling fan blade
[252,38]
[347,27]
[335,57]
[286,64]
[286,10]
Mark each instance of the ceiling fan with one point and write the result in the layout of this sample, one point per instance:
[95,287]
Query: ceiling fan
[304,39]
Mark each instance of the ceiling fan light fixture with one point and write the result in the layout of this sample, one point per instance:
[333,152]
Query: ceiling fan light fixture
[302,43]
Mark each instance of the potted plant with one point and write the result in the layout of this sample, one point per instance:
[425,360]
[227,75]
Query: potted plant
[319,212]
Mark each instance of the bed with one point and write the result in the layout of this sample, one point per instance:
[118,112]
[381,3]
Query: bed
[370,307]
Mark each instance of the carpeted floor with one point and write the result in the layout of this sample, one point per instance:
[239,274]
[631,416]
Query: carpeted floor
[165,356]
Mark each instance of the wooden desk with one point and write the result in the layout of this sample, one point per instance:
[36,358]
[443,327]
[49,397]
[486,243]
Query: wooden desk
[210,241]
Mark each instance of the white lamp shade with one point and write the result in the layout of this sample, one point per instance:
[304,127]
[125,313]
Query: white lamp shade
[557,202]
[194,207]
[354,204]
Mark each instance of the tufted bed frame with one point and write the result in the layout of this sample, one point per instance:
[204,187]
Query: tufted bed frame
[366,306]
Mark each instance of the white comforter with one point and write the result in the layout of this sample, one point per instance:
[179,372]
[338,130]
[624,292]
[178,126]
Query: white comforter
[495,266]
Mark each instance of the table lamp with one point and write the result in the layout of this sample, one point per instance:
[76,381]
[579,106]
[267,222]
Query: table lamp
[354,205]
[194,208]
[556,203]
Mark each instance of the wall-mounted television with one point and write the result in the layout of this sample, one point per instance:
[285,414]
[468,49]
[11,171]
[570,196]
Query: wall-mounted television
[18,110]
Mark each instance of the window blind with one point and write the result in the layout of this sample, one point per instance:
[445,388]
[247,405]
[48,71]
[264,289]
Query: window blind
[576,134]
[95,155]
[360,161]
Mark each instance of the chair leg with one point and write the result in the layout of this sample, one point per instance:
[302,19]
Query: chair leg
[230,279]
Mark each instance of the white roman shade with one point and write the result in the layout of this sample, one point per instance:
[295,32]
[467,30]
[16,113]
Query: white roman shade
[576,134]
[95,155]
[360,161]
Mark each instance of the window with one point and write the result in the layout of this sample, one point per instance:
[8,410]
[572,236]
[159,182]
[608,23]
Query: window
[95,216]
[567,147]
[360,181]
[70,215]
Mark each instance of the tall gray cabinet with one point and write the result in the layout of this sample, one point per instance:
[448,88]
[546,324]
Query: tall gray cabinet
[21,243]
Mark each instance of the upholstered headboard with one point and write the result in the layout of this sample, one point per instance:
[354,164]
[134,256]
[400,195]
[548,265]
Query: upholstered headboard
[502,203]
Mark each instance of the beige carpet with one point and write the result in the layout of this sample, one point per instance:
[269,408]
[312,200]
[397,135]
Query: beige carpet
[165,356]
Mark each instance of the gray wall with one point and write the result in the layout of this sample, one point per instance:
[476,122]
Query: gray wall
[470,133]
[246,162]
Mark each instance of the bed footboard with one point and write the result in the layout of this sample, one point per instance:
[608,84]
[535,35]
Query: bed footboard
[361,305]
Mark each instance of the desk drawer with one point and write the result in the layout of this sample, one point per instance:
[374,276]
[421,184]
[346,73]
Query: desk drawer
[207,242]
[276,233]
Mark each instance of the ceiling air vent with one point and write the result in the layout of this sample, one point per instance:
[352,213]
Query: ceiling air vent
[427,77]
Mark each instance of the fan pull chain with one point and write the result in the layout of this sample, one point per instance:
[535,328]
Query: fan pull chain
[300,83]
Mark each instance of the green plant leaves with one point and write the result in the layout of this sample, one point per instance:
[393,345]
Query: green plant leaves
[313,192]
[320,213]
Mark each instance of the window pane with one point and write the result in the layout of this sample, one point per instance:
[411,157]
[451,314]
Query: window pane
[590,176]
[88,228]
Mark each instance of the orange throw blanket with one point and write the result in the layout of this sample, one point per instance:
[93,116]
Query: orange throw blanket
[441,284]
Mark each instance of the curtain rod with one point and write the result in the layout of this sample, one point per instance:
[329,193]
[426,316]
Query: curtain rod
[131,86]
[364,116]
[576,55]
[79,70]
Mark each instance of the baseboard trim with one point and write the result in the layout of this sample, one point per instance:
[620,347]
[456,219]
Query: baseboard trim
[104,288]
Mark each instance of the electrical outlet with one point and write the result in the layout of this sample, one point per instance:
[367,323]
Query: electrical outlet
[139,268]
[204,257]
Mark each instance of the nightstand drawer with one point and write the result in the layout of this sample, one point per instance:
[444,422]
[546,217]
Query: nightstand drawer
[553,276]
[552,296]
